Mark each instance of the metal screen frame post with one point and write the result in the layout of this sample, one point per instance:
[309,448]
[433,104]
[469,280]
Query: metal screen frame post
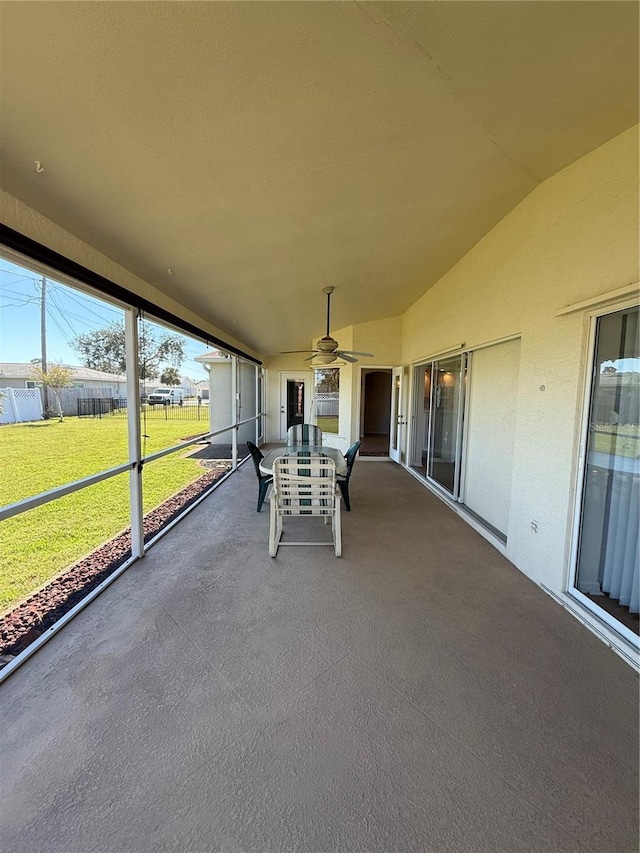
[258,407]
[133,429]
[235,402]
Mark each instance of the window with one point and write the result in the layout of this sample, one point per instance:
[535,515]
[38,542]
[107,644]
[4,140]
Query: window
[327,396]
[607,573]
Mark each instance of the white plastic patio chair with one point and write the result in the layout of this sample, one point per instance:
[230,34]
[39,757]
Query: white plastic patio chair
[304,434]
[304,485]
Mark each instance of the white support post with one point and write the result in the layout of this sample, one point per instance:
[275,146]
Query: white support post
[133,424]
[234,412]
[256,440]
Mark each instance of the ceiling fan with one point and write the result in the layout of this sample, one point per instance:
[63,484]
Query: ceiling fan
[327,350]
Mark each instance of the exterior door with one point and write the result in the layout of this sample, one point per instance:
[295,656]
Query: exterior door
[397,421]
[295,401]
[446,422]
[437,421]
[607,562]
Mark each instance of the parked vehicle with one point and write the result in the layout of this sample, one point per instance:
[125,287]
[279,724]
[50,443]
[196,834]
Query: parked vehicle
[166,397]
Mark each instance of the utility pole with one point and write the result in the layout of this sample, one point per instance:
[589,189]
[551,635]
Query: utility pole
[43,339]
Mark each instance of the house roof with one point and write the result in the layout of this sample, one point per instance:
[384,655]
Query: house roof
[24,370]
[211,355]
[364,145]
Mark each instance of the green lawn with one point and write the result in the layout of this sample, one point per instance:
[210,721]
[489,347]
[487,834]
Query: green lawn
[39,544]
[328,424]
[620,440]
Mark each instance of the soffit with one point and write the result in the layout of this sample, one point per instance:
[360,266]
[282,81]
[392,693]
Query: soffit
[264,150]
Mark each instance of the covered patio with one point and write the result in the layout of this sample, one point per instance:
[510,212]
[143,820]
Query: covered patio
[420,693]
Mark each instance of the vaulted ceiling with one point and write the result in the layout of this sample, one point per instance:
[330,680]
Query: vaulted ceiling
[262,151]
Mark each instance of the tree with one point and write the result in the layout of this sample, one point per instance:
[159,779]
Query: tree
[328,378]
[105,349]
[56,377]
[170,376]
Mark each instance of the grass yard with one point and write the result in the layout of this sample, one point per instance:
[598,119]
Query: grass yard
[621,440]
[39,544]
[328,423]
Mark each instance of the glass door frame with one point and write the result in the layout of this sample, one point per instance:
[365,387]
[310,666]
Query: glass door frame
[587,394]
[432,362]
[397,422]
[305,376]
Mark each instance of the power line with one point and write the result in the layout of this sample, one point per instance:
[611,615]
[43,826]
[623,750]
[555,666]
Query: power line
[19,275]
[22,295]
[17,294]
[17,304]
[81,319]
[86,297]
[76,297]
[63,314]
[62,331]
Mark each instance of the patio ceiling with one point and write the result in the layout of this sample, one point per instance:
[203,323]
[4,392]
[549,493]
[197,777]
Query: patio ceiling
[263,150]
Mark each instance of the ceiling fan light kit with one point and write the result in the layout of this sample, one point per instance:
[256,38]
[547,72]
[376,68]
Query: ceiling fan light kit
[327,348]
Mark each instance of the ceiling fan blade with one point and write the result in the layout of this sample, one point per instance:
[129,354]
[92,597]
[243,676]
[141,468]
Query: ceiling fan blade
[292,351]
[346,357]
[355,352]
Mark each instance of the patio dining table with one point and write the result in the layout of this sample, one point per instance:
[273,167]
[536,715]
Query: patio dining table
[266,463]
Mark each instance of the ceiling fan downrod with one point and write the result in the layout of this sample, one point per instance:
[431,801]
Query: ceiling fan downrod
[328,290]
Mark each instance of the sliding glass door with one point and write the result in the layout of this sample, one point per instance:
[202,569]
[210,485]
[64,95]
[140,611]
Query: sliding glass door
[437,420]
[607,563]
[446,423]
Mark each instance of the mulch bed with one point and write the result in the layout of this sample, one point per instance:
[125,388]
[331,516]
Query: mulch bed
[40,611]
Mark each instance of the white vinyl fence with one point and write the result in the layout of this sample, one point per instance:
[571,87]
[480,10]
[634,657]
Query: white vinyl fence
[20,404]
[327,403]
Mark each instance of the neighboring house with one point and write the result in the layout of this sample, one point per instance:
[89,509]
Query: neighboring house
[202,389]
[16,374]
[219,391]
[188,386]
[86,383]
[194,387]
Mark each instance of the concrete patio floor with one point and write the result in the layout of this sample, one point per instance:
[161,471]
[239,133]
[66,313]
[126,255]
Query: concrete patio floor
[418,694]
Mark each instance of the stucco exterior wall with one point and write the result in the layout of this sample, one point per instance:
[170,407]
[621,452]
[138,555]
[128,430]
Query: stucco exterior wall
[382,338]
[275,367]
[574,237]
[221,408]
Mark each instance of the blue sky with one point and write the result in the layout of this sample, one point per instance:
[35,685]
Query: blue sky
[623,365]
[69,313]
